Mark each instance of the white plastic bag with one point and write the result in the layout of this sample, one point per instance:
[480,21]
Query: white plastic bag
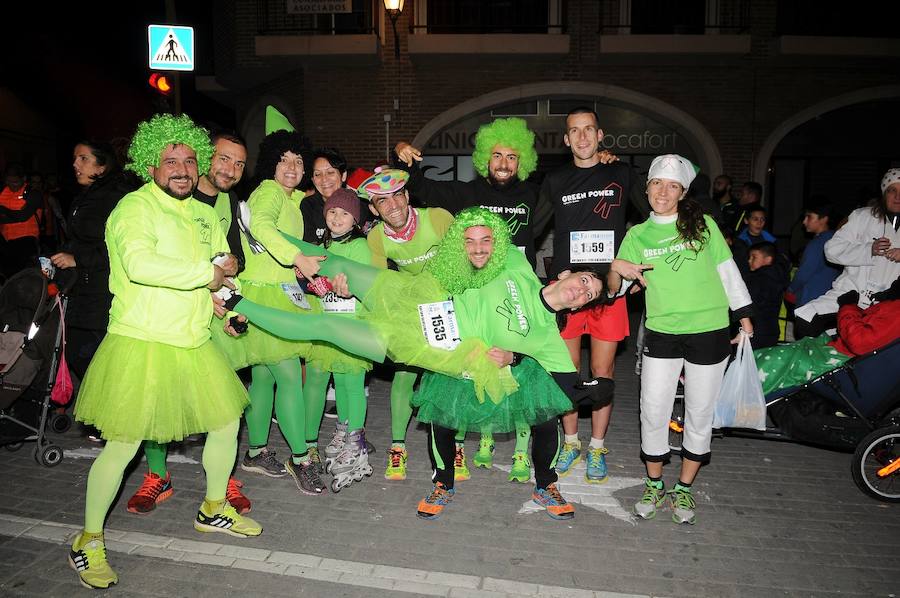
[741,402]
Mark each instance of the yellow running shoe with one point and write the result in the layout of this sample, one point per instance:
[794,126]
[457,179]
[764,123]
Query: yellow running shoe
[88,559]
[396,468]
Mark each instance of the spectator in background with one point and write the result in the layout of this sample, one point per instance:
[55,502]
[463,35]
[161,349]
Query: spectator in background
[19,228]
[816,274]
[721,191]
[753,233]
[733,214]
[699,192]
[766,280]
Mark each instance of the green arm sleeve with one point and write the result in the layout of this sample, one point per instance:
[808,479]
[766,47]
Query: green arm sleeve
[359,276]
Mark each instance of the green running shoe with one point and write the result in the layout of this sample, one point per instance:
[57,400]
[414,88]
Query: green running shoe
[683,505]
[596,472]
[654,497]
[569,456]
[88,559]
[485,455]
[226,521]
[521,468]
[396,467]
[460,467]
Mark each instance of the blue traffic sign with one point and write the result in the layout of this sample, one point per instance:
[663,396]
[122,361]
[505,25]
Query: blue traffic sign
[171,47]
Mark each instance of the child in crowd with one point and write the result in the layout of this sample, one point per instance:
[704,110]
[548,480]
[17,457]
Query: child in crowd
[346,456]
[753,232]
[767,279]
[680,257]
[815,275]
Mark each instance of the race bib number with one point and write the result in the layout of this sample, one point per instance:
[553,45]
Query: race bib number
[295,294]
[592,246]
[333,304]
[439,324]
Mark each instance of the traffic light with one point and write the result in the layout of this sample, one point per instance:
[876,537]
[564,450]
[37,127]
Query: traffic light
[161,83]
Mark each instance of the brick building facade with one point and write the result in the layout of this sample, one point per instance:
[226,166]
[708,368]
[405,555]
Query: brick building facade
[749,89]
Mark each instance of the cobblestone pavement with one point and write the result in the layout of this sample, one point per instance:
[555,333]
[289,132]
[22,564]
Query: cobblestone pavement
[774,519]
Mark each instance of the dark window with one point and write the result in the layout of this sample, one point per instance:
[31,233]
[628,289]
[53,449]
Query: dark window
[516,109]
[488,16]
[667,17]
[861,19]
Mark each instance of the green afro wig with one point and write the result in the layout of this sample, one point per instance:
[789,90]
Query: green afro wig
[154,135]
[451,265]
[508,132]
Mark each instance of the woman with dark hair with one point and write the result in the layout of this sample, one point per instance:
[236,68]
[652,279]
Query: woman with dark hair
[98,172]
[680,257]
[269,279]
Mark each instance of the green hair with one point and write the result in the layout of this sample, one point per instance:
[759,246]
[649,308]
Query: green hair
[508,132]
[152,137]
[451,265]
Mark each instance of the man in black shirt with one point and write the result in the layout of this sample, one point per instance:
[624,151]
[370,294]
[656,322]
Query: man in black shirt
[589,200]
[505,157]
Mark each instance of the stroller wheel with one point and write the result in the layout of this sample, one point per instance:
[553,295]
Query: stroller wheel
[51,455]
[14,446]
[876,464]
[60,423]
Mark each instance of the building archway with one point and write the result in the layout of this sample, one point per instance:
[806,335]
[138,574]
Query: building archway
[682,125]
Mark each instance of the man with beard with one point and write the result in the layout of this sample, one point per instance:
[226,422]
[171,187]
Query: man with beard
[589,200]
[505,157]
[215,189]
[156,375]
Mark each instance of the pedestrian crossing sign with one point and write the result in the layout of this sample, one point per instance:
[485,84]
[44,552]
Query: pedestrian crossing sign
[171,47]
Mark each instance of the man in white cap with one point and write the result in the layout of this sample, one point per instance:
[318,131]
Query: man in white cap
[868,247]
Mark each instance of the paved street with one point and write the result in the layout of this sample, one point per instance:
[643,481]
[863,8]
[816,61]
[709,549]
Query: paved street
[774,519]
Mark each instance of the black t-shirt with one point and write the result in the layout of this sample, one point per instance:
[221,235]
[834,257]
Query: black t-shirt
[591,201]
[514,203]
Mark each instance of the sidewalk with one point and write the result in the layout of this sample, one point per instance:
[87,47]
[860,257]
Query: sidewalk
[774,519]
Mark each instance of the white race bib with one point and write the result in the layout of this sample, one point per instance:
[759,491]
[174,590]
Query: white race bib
[295,294]
[333,304]
[592,246]
[439,324]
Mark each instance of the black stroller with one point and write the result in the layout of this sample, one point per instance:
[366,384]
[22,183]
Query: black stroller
[30,342]
[853,408]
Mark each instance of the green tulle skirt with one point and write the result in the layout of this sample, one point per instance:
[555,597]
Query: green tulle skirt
[258,346]
[451,403]
[139,390]
[329,358]
[392,309]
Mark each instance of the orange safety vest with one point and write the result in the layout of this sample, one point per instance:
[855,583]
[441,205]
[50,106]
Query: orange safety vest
[15,201]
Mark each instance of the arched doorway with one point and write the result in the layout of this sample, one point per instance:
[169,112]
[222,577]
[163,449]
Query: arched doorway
[636,126]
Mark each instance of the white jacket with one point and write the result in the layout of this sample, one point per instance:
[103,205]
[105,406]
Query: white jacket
[851,247]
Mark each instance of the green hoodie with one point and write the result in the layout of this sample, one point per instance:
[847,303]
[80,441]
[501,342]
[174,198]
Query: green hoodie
[159,257]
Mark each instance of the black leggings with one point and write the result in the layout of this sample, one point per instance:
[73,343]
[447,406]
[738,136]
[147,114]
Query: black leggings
[544,446]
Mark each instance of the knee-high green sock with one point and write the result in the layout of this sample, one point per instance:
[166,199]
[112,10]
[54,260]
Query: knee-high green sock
[104,481]
[156,457]
[401,408]
[360,277]
[289,407]
[522,438]
[218,459]
[259,413]
[353,336]
[350,389]
[314,389]
[460,436]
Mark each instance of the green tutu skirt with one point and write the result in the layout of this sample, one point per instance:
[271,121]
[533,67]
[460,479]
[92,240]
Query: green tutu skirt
[140,390]
[451,403]
[257,346]
[392,309]
[784,366]
[329,358]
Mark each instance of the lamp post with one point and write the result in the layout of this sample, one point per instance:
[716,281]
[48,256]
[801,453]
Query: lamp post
[393,8]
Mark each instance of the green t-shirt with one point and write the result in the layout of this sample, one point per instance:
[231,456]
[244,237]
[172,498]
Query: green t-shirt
[684,291]
[508,313]
[412,255]
[356,250]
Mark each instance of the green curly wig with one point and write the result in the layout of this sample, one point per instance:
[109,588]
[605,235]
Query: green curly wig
[508,132]
[152,136]
[451,265]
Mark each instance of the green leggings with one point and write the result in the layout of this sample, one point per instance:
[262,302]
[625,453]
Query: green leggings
[349,395]
[280,385]
[105,477]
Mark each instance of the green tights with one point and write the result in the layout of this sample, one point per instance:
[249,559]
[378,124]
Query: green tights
[280,384]
[105,477]
[349,395]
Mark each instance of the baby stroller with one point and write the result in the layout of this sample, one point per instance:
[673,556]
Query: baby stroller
[30,342]
[853,408]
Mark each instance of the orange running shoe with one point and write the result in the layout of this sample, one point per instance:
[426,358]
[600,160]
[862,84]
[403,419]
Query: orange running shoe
[237,499]
[553,501]
[153,491]
[433,505]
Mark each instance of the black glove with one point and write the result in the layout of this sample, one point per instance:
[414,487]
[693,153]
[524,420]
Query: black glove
[848,298]
[596,393]
[889,294]
[231,298]
[239,327]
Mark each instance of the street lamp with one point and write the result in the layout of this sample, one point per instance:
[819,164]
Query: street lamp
[393,8]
